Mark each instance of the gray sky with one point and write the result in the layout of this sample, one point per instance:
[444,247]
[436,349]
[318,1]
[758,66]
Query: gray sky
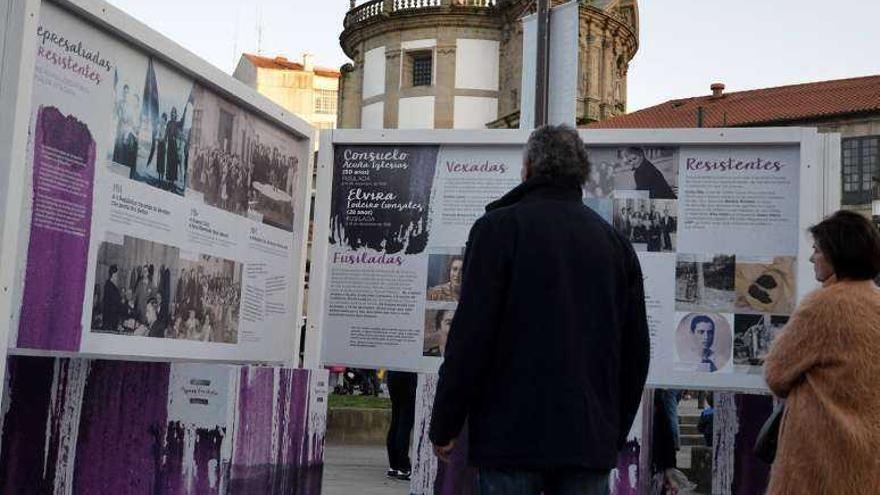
[685,44]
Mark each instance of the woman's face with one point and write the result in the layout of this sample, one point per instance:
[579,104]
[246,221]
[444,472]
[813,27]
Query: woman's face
[821,266]
[455,272]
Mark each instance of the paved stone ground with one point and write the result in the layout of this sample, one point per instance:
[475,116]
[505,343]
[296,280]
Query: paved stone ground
[350,470]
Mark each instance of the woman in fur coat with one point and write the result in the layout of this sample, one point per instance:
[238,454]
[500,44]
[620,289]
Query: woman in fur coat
[826,364]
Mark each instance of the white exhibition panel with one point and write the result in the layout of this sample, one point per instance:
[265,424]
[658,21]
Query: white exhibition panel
[382,297]
[476,64]
[373,116]
[176,195]
[415,112]
[374,72]
[474,112]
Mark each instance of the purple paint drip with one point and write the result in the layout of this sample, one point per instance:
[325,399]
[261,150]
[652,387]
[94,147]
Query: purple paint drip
[123,422]
[282,466]
[61,214]
[24,427]
[173,473]
[627,459]
[751,475]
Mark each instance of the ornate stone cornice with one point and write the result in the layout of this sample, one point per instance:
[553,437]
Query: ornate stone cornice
[352,36]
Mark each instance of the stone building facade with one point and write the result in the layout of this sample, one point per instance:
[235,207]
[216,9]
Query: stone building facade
[457,63]
[307,90]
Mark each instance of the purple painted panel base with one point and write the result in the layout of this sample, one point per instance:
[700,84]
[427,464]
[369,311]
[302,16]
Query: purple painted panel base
[134,428]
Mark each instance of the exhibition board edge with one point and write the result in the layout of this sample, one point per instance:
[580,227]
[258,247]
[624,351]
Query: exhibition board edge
[811,181]
[16,81]
[115,23]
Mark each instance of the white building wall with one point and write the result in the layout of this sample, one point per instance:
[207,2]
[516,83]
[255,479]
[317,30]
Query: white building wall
[474,112]
[373,116]
[476,64]
[374,72]
[416,113]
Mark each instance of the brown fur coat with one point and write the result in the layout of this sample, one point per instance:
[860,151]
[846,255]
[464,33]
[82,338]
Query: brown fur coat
[826,362]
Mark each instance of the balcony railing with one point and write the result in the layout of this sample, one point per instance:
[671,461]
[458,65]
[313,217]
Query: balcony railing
[376,8]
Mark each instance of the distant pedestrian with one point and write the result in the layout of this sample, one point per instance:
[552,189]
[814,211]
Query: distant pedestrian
[402,389]
[548,350]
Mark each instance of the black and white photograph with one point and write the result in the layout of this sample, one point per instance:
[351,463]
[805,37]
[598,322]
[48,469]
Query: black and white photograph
[635,168]
[765,285]
[753,335]
[207,299]
[601,181]
[649,224]
[147,289]
[134,284]
[444,277]
[152,118]
[437,324]
[703,342]
[241,164]
[705,282]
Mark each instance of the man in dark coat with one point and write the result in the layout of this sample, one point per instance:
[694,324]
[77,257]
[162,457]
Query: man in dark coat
[646,175]
[112,310]
[548,352]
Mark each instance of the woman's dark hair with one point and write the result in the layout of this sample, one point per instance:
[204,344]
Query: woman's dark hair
[558,152]
[851,244]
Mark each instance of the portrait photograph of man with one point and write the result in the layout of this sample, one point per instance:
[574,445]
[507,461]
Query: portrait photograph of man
[703,343]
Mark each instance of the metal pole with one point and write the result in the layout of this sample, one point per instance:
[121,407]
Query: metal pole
[542,67]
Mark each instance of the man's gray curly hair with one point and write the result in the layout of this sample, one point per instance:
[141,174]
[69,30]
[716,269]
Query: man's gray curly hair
[557,151]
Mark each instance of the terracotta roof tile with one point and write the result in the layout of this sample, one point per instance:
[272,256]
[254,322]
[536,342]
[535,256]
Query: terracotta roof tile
[799,102]
[279,63]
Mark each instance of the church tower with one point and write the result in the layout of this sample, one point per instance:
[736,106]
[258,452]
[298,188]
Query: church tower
[457,63]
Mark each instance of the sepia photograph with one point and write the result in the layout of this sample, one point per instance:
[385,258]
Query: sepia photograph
[152,118]
[753,335]
[207,299]
[444,277]
[241,164]
[765,285]
[437,324]
[705,282]
[649,224]
[147,289]
[703,342]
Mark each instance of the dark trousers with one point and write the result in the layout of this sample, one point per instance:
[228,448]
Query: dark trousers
[402,388]
[572,481]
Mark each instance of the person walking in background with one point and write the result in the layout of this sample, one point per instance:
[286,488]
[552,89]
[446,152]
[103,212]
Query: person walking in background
[825,364]
[402,389]
[548,352]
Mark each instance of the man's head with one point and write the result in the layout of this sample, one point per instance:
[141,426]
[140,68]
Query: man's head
[173,114]
[633,157]
[112,275]
[556,152]
[703,329]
